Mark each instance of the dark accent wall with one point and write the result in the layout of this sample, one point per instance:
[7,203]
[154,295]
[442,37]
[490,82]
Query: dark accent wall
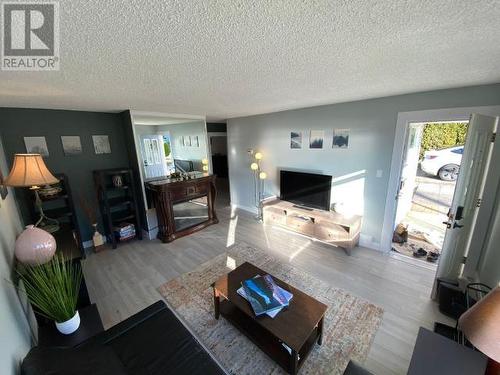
[17,123]
[216,127]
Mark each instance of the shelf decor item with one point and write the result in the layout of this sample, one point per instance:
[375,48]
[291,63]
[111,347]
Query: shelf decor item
[34,246]
[90,212]
[97,239]
[53,288]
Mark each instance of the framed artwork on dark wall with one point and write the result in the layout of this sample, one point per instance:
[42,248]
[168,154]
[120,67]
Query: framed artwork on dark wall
[71,145]
[101,144]
[36,145]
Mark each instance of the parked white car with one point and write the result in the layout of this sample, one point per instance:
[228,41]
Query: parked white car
[443,163]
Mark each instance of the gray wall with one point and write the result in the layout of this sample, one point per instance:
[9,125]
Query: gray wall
[15,336]
[372,124]
[17,123]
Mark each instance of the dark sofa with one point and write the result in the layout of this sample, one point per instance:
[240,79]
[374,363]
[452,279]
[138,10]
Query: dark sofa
[153,342]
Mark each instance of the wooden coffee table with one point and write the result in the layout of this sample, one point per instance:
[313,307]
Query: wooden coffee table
[299,326]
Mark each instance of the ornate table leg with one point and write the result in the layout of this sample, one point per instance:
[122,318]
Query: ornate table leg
[216,303]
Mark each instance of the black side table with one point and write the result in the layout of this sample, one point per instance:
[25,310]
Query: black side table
[90,325]
[436,354]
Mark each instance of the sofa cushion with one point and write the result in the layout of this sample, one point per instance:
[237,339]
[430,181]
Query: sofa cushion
[162,345]
[95,360]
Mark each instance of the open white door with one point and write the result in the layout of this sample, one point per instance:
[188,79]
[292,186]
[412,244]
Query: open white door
[153,156]
[468,194]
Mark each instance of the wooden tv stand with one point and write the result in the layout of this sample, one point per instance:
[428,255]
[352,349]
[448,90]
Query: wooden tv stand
[329,227]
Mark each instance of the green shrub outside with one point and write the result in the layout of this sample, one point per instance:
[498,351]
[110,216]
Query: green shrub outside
[438,136]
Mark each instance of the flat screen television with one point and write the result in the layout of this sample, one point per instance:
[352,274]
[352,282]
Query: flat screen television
[306,189]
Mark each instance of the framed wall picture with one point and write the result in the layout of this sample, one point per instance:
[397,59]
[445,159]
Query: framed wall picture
[295,140]
[340,138]
[101,144]
[316,138]
[36,145]
[71,145]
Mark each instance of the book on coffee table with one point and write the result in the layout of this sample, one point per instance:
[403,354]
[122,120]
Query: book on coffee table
[264,295]
[285,293]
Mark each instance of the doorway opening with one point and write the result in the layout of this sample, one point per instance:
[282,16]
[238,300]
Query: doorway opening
[217,136]
[430,168]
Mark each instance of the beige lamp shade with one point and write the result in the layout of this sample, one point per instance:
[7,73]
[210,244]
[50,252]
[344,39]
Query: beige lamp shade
[481,324]
[29,170]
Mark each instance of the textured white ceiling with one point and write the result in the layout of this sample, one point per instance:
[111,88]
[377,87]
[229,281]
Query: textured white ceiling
[225,58]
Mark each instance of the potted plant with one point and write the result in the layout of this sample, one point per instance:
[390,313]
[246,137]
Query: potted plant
[53,288]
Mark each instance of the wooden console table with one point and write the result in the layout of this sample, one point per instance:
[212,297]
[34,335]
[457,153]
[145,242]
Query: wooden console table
[166,193]
[326,226]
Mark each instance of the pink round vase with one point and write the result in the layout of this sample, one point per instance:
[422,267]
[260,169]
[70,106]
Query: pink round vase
[35,246]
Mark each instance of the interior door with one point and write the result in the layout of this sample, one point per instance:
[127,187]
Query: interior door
[468,193]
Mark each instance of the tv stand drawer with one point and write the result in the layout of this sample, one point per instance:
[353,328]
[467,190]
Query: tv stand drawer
[300,224]
[273,215]
[330,232]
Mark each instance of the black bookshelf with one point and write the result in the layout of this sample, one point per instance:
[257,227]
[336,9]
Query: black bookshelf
[61,207]
[117,204]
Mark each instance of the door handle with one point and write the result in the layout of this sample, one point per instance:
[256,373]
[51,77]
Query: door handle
[448,224]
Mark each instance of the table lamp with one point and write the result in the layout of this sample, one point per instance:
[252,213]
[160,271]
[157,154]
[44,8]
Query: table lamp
[29,170]
[34,245]
[481,325]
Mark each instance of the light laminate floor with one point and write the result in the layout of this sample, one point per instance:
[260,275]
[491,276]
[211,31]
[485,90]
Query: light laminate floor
[123,281]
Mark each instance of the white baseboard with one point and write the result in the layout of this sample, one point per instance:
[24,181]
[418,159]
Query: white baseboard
[252,210]
[367,241]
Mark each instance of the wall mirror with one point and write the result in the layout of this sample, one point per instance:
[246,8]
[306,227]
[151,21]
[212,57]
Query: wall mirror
[166,145]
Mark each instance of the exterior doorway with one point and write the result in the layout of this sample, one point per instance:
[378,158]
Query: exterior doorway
[430,168]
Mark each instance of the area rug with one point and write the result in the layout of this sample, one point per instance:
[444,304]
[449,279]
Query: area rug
[349,328]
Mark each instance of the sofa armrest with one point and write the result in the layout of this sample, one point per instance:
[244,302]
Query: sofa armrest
[126,325]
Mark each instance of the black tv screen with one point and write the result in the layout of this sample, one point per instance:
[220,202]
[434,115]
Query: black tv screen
[306,189]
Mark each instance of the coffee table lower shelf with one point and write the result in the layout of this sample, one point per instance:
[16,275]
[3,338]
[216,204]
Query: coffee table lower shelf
[265,340]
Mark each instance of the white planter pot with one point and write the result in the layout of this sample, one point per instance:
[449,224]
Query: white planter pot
[69,326]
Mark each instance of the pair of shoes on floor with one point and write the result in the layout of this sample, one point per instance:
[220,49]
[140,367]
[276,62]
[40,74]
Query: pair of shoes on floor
[420,253]
[432,257]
